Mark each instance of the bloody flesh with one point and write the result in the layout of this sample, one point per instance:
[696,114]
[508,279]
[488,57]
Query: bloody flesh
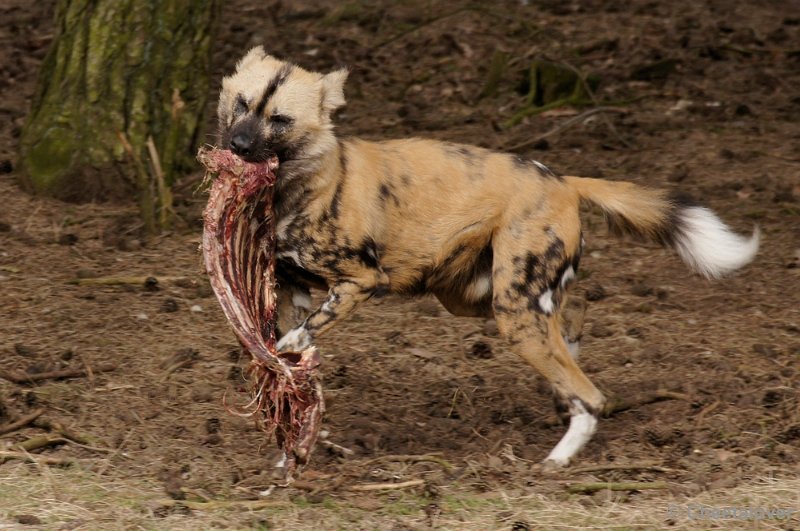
[239,251]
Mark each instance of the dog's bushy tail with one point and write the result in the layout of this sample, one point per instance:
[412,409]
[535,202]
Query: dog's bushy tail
[701,239]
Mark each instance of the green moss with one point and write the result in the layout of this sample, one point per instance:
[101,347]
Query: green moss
[49,157]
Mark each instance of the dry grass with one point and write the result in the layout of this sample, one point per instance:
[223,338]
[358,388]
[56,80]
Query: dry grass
[71,498]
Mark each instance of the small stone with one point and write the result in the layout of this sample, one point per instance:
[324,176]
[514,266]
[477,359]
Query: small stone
[86,273]
[784,195]
[24,350]
[635,332]
[129,244]
[204,290]
[764,350]
[595,292]
[151,284]
[600,330]
[541,145]
[214,439]
[68,238]
[480,350]
[169,305]
[28,519]
[213,425]
[679,174]
[429,307]
[142,316]
[642,289]
[195,308]
[203,392]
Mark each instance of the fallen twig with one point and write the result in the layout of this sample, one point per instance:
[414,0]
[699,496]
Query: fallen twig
[619,466]
[698,420]
[617,405]
[211,505]
[40,441]
[591,94]
[22,377]
[336,448]
[386,486]
[123,280]
[412,459]
[6,455]
[24,421]
[565,125]
[60,429]
[588,488]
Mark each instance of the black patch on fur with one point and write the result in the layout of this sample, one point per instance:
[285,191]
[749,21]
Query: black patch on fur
[336,202]
[368,254]
[528,164]
[386,192]
[381,291]
[272,86]
[287,151]
[419,286]
[450,279]
[462,152]
[535,275]
[666,233]
[288,270]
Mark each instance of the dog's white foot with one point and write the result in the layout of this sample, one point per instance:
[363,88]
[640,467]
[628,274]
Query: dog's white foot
[296,339]
[582,426]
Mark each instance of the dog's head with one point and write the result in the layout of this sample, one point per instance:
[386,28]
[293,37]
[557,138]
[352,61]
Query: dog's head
[269,106]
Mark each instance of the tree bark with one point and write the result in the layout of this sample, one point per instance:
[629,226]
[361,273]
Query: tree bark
[117,71]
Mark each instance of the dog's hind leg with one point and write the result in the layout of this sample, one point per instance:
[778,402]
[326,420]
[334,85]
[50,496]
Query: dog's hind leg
[537,339]
[528,289]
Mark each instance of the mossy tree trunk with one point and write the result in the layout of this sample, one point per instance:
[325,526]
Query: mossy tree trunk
[117,73]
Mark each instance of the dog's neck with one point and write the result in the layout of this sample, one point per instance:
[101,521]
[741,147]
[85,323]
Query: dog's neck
[307,182]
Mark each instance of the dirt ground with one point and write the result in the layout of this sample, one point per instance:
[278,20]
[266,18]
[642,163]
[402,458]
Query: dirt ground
[413,393]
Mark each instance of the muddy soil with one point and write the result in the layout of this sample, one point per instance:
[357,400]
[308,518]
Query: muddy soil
[716,117]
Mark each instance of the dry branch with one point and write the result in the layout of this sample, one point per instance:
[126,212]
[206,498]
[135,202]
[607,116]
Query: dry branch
[66,433]
[124,280]
[6,455]
[40,441]
[616,405]
[411,459]
[211,505]
[619,466]
[24,421]
[588,488]
[22,377]
[565,125]
[386,486]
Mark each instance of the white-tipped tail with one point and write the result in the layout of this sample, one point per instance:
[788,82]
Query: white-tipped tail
[708,246]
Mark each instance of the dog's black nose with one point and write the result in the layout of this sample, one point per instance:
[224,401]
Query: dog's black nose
[242,144]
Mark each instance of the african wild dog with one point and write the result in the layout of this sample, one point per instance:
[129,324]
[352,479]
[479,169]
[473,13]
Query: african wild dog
[489,234]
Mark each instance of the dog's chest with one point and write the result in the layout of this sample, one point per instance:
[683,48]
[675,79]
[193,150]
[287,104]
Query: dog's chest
[309,245]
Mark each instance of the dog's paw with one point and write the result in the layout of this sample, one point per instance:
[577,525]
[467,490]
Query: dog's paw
[295,340]
[553,466]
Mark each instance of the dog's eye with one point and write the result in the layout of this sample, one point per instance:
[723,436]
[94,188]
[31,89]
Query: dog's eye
[240,107]
[280,119]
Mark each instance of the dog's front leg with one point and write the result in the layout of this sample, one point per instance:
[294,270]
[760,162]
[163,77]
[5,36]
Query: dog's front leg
[343,297]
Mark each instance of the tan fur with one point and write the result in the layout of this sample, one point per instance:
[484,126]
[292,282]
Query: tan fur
[487,233]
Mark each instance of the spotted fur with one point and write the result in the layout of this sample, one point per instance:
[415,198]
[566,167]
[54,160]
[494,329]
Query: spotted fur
[490,234]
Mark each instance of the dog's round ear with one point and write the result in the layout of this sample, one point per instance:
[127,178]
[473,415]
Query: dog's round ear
[255,54]
[333,89]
